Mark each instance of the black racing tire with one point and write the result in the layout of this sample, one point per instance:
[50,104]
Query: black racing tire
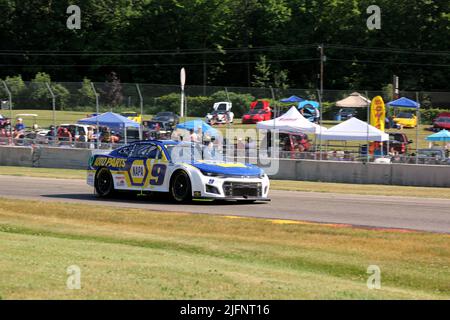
[104,183]
[180,187]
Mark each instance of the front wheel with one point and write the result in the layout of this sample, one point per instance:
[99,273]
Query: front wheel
[104,184]
[180,187]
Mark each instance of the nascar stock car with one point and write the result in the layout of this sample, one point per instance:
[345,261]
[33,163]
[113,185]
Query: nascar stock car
[185,170]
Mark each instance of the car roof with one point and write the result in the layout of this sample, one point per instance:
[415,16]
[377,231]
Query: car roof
[157,142]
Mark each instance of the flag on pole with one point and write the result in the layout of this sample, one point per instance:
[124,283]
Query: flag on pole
[378,113]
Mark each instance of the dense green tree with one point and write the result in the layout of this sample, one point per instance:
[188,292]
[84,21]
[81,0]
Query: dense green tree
[219,41]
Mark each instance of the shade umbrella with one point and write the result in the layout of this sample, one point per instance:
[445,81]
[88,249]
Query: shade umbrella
[355,100]
[308,103]
[199,124]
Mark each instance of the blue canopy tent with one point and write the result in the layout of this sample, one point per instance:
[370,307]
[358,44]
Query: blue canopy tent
[292,99]
[111,120]
[197,124]
[409,104]
[404,103]
[442,136]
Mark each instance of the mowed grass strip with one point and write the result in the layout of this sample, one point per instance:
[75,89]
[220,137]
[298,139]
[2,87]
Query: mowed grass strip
[303,186]
[138,254]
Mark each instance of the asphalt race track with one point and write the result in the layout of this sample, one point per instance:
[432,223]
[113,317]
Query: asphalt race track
[368,211]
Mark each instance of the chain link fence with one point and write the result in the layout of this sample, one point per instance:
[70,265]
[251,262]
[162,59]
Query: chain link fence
[45,104]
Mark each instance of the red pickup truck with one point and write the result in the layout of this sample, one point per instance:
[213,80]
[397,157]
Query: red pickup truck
[398,141]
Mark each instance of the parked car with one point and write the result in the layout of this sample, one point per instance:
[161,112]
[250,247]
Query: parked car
[345,114]
[76,129]
[399,142]
[259,111]
[221,113]
[157,130]
[171,118]
[406,120]
[442,122]
[133,116]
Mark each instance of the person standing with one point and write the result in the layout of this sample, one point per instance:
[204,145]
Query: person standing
[193,136]
[19,128]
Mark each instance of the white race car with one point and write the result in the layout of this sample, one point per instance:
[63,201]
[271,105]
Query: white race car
[186,170]
[221,113]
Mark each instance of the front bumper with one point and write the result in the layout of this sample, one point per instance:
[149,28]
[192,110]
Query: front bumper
[251,120]
[231,188]
[235,199]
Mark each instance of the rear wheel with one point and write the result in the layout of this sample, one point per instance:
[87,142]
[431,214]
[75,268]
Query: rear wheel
[104,184]
[180,187]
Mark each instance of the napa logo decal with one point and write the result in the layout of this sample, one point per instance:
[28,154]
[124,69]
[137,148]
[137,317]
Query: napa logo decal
[114,163]
[138,173]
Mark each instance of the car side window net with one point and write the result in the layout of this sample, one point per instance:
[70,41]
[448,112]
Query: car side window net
[125,151]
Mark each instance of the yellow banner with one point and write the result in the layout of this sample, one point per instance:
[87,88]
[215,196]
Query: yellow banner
[378,113]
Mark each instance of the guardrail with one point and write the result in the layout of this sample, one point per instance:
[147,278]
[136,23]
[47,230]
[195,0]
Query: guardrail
[232,152]
[288,169]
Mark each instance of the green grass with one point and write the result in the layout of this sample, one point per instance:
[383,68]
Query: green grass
[136,254]
[42,172]
[303,186]
[379,190]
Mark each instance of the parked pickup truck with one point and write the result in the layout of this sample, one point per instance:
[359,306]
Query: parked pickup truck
[398,141]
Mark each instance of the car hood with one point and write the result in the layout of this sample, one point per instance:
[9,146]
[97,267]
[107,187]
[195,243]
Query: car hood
[227,168]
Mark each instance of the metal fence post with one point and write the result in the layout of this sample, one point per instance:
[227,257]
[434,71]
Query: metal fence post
[417,128]
[368,124]
[10,104]
[141,101]
[97,111]
[49,88]
[272,92]
[321,120]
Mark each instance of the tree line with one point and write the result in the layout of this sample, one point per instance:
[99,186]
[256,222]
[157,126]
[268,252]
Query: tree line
[256,43]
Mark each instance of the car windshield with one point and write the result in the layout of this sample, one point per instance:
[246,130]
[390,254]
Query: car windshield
[164,114]
[405,115]
[259,105]
[256,111]
[222,107]
[396,137]
[187,152]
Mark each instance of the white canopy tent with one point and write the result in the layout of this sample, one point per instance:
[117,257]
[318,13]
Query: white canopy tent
[354,130]
[291,121]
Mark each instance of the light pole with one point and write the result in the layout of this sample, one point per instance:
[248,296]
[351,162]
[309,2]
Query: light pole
[183,83]
[53,107]
[141,101]
[97,111]
[323,59]
[10,104]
